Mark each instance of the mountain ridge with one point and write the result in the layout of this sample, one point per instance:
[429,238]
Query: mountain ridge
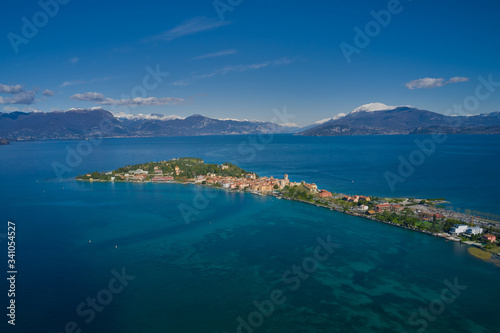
[380,119]
[82,123]
[368,119]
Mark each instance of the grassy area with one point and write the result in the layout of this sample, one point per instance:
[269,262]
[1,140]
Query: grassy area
[493,248]
[425,224]
[478,253]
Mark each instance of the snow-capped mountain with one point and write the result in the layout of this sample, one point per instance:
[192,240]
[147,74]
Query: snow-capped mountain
[320,122]
[379,118]
[140,116]
[373,107]
[80,123]
[369,119]
[156,116]
[340,115]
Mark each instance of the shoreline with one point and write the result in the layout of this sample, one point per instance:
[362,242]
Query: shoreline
[20,140]
[445,236]
[428,216]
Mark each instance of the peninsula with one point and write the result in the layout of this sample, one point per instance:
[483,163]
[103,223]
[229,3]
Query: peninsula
[423,215]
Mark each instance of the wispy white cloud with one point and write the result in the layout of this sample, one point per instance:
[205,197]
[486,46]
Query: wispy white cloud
[19,95]
[100,99]
[216,54]
[425,83]
[458,79]
[429,83]
[30,109]
[24,97]
[71,83]
[232,68]
[190,27]
[75,82]
[48,93]
[74,60]
[10,89]
[11,108]
[14,108]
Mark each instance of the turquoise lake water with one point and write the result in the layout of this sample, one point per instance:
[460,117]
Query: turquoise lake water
[204,273]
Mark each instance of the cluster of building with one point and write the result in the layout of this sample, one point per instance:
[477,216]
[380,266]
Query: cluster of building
[141,175]
[257,184]
[356,198]
[159,177]
[463,229]
[387,207]
[429,216]
[395,208]
[250,181]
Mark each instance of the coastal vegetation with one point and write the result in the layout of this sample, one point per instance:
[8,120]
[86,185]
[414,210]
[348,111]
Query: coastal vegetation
[478,253]
[180,169]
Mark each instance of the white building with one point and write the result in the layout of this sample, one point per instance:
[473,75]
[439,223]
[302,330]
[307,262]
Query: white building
[459,229]
[474,231]
[199,179]
[139,172]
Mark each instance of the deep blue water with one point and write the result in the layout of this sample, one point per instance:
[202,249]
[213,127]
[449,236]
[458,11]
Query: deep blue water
[202,275]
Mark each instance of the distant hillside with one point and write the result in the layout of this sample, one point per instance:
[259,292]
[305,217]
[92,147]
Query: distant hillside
[370,119]
[377,119]
[200,125]
[82,123]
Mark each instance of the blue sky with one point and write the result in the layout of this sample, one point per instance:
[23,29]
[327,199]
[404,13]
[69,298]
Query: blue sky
[262,55]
